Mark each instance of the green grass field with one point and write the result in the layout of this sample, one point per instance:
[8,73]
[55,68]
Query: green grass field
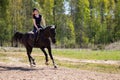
[87,54]
[90,55]
[20,53]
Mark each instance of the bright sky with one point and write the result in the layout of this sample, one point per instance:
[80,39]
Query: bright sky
[66,5]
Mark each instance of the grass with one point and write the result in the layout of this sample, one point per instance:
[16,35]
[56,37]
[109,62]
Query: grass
[87,54]
[68,53]
[106,68]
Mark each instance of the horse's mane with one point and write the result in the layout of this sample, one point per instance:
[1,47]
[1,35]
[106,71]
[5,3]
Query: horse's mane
[48,27]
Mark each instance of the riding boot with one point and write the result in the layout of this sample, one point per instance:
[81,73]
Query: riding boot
[35,37]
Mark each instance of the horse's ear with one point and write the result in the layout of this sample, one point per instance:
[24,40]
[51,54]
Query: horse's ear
[53,27]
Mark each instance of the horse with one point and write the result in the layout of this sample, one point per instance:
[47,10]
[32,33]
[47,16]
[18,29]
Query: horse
[44,38]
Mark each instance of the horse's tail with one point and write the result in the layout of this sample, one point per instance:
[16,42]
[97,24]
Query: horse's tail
[17,37]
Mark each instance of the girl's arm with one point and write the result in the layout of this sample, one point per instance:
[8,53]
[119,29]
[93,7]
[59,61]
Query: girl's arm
[43,22]
[35,24]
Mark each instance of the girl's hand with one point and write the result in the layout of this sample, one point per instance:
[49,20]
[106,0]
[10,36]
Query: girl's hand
[38,29]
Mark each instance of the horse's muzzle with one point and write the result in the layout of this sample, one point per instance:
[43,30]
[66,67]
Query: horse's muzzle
[53,41]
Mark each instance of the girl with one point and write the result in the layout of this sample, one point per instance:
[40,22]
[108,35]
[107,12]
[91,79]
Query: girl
[37,20]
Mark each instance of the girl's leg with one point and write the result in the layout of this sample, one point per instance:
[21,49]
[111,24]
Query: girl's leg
[35,35]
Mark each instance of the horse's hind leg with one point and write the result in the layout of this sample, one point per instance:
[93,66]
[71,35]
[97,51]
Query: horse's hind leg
[28,54]
[46,56]
[31,60]
[50,53]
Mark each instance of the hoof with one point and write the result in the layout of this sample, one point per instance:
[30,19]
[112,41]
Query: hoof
[46,63]
[55,67]
[32,66]
[34,63]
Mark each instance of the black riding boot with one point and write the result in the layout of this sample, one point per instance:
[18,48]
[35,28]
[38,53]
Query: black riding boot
[35,38]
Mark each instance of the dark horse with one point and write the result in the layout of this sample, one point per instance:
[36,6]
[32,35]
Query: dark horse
[43,41]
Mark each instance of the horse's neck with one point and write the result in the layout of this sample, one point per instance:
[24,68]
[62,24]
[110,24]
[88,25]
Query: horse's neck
[45,33]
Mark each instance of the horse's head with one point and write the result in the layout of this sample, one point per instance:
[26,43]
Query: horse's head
[53,33]
[50,31]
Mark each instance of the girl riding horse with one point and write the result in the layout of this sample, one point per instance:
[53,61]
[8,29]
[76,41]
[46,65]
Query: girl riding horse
[37,21]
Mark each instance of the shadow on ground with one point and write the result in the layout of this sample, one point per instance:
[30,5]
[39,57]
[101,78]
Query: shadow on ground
[14,68]
[4,68]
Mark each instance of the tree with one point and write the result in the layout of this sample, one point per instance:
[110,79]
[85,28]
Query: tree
[80,13]
[3,21]
[117,21]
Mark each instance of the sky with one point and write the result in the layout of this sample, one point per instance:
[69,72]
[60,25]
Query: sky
[66,6]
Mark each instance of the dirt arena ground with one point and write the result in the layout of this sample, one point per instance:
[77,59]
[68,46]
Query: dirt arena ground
[20,71]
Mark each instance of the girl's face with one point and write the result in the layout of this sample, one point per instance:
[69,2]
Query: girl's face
[36,12]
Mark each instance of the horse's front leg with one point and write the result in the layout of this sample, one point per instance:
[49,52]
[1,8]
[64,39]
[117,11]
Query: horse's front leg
[46,56]
[50,53]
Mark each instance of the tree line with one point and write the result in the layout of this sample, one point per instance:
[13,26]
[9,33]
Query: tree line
[80,23]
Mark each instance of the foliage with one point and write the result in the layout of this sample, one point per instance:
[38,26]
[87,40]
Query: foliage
[79,22]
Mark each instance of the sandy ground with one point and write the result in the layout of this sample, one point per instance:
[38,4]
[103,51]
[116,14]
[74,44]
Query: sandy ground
[88,61]
[20,71]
